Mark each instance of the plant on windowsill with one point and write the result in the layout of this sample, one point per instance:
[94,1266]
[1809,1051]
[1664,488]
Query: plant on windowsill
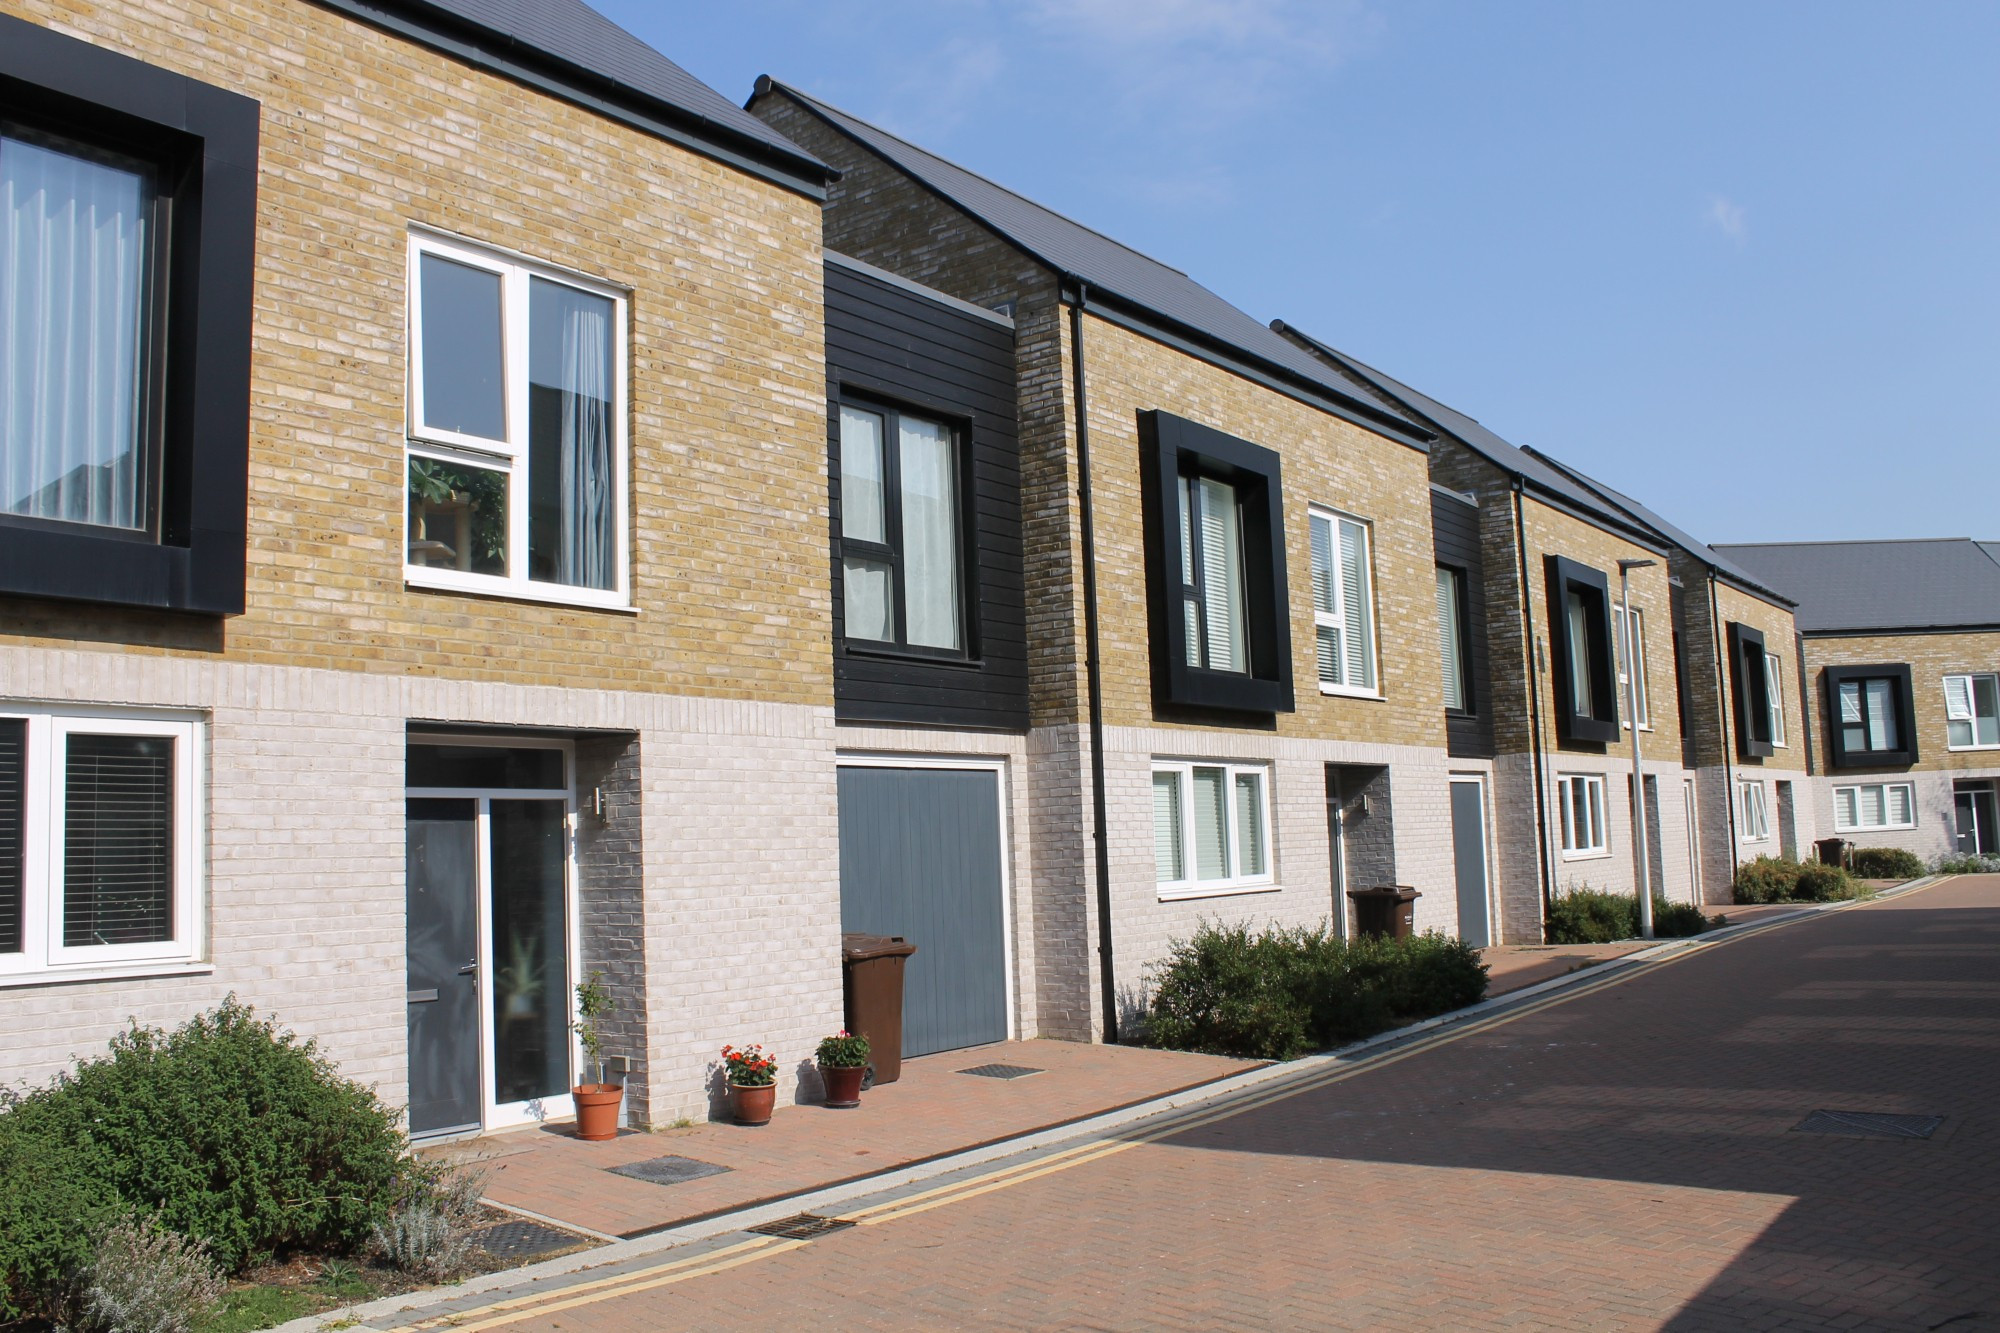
[596,1103]
[843,1062]
[753,1084]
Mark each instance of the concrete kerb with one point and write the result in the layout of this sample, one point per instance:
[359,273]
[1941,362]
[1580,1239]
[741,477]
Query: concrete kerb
[695,1235]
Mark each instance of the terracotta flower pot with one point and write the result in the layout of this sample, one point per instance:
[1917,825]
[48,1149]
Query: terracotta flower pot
[843,1084]
[597,1110]
[751,1104]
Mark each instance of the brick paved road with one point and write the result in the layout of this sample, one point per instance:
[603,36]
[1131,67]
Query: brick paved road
[1621,1159]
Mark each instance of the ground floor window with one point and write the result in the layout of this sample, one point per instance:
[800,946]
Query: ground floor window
[1581,797]
[1868,806]
[1211,828]
[97,840]
[1753,822]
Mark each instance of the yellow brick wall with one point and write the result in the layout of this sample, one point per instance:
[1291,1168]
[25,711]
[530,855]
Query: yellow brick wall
[1931,657]
[363,135]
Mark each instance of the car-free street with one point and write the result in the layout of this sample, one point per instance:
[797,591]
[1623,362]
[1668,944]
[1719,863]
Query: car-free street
[1625,1153]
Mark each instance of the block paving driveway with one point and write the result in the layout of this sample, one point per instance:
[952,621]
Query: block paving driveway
[1620,1155]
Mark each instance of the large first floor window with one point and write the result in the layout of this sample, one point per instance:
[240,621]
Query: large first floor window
[1879,805]
[1869,717]
[1631,624]
[1211,827]
[1213,597]
[1972,712]
[1581,798]
[1343,603]
[902,575]
[1774,691]
[517,455]
[1451,639]
[1753,822]
[97,840]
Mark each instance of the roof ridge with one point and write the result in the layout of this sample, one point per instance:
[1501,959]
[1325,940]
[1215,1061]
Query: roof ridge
[983,179]
[1859,541]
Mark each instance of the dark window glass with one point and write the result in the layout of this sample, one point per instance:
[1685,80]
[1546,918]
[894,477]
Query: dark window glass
[118,841]
[530,943]
[485,766]
[572,493]
[13,821]
[463,379]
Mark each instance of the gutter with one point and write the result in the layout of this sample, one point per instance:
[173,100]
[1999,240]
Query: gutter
[1093,670]
[1545,855]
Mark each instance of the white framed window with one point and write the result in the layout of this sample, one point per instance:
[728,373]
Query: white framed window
[1211,828]
[1875,805]
[517,460]
[1753,822]
[99,841]
[1581,798]
[1774,690]
[1451,638]
[1637,669]
[1972,712]
[1343,584]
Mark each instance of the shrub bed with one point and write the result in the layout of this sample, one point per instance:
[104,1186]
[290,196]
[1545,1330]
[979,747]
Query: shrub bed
[1283,993]
[1776,879]
[1885,863]
[1965,863]
[1596,916]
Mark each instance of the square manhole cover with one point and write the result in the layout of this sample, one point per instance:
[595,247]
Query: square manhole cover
[1869,1124]
[523,1240]
[668,1170]
[802,1226]
[1001,1071]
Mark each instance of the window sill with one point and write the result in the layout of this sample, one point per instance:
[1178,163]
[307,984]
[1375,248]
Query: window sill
[1970,749]
[58,976]
[1603,854]
[415,576]
[1880,828]
[1217,890]
[1349,692]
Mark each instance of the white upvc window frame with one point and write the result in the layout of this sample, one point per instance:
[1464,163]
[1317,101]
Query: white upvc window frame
[1337,618]
[1753,818]
[1971,679]
[1235,882]
[1853,823]
[1774,690]
[43,956]
[510,455]
[1578,844]
[1641,681]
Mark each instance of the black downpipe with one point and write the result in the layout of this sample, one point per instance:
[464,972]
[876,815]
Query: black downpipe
[1542,855]
[1092,672]
[1723,685]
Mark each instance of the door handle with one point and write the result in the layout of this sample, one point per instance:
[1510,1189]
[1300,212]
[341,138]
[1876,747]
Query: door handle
[469,968]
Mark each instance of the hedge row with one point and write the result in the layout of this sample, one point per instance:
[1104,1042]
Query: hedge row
[1594,916]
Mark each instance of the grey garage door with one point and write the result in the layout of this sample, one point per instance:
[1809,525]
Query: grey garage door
[920,858]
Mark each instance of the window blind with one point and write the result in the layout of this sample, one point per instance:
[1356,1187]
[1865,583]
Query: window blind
[13,827]
[1881,717]
[1360,663]
[1211,824]
[1222,577]
[1579,656]
[1774,696]
[1249,824]
[930,534]
[118,840]
[1449,651]
[1168,861]
[1326,606]
[1900,803]
[1844,811]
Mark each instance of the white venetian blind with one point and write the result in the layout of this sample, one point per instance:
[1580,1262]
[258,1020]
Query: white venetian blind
[1844,806]
[1211,823]
[1958,710]
[1357,605]
[118,840]
[1450,654]
[1222,577]
[1169,865]
[13,822]
[1249,824]
[1900,811]
[1326,607]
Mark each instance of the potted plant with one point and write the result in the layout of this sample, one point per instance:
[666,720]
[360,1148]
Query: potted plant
[753,1084]
[843,1060]
[596,1103]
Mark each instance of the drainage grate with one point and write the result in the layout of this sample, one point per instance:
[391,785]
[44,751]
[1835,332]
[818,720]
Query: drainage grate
[668,1170]
[1869,1124]
[523,1240]
[804,1226]
[1001,1071]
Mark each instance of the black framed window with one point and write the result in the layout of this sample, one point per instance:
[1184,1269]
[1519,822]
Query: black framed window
[1215,567]
[1585,669]
[1750,670]
[127,240]
[1454,633]
[1871,716]
[902,530]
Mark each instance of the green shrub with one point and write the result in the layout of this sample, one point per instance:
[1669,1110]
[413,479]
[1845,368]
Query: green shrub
[52,1214]
[229,1130]
[1885,863]
[1965,863]
[1768,879]
[1595,916]
[1819,883]
[1282,993]
[1672,921]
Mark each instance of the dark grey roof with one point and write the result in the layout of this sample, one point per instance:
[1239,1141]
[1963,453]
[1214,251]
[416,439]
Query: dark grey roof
[588,53]
[1509,458]
[1992,549]
[1111,268]
[1847,587]
[1708,555]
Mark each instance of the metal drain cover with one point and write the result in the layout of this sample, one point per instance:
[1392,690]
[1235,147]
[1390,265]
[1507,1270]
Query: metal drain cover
[1002,1071]
[803,1226]
[668,1170]
[1869,1124]
[523,1240]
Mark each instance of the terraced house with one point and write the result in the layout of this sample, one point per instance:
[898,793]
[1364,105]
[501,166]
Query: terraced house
[1234,707]
[1901,667]
[412,511]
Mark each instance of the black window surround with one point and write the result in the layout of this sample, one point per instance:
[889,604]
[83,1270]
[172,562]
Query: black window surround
[1598,725]
[1902,699]
[202,143]
[1749,681]
[1173,448]
[892,550]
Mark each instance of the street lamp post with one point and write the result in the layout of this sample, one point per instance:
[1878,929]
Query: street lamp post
[1640,851]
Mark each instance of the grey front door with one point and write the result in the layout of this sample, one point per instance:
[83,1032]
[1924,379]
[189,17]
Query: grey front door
[443,939]
[1468,845]
[920,857]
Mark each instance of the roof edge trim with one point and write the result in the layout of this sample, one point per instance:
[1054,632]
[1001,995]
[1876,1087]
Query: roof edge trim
[915,288]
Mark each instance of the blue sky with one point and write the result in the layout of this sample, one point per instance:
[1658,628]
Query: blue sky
[1741,260]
